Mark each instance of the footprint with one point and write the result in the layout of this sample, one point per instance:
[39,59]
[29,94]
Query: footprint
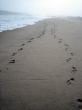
[70,81]
[23,44]
[54,36]
[66,45]
[29,41]
[79,101]
[60,41]
[14,53]
[69,59]
[12,61]
[74,69]
[0,70]
[51,31]
[20,49]
[72,54]
[32,39]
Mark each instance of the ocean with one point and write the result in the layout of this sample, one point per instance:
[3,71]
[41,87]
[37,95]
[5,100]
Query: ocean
[10,21]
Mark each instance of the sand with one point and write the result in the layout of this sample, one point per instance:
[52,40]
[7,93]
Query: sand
[41,66]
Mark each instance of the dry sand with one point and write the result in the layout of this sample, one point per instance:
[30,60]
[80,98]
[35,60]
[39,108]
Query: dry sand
[41,66]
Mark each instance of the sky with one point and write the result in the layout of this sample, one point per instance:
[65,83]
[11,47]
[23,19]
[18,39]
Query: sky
[44,8]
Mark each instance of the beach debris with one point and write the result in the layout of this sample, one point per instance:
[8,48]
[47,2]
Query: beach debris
[32,39]
[23,44]
[66,45]
[79,103]
[12,61]
[39,36]
[6,68]
[66,48]
[69,59]
[68,82]
[54,36]
[29,41]
[72,79]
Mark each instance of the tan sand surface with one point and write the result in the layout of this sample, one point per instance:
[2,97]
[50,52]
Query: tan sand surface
[41,66]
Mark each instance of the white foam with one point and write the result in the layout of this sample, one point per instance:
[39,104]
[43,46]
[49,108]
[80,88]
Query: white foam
[10,22]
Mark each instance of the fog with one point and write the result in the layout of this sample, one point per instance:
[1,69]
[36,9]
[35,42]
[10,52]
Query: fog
[44,8]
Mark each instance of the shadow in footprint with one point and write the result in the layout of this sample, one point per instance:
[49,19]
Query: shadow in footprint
[68,59]
[29,41]
[12,61]
[32,39]
[0,70]
[7,68]
[23,44]
[68,82]
[39,36]
[74,69]
[54,36]
[66,47]
[60,41]
[20,49]
[79,101]
[14,53]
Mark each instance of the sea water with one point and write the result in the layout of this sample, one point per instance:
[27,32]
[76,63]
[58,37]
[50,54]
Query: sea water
[13,21]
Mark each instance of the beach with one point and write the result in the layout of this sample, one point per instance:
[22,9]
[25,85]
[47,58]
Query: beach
[41,66]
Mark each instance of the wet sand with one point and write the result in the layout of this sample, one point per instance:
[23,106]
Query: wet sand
[41,66]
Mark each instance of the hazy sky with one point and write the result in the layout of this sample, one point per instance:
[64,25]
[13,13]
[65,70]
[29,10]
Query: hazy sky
[44,7]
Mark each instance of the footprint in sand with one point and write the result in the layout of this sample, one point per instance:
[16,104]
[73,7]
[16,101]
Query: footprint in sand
[0,70]
[12,61]
[74,69]
[39,36]
[54,36]
[79,102]
[68,82]
[66,47]
[60,41]
[32,39]
[72,54]
[14,53]
[23,44]
[29,41]
[20,49]
[68,59]
[6,68]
